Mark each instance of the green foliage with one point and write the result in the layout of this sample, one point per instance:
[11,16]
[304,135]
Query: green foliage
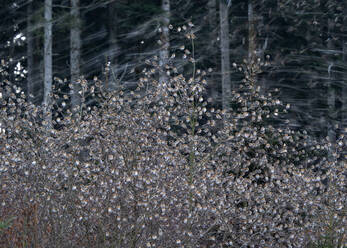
[327,240]
[6,224]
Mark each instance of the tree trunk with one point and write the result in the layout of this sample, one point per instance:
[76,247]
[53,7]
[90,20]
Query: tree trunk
[164,38]
[113,48]
[75,49]
[344,81]
[212,23]
[331,132]
[225,58]
[48,62]
[30,52]
[251,34]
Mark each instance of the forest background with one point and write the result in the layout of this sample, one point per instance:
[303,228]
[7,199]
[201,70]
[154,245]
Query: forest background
[302,45]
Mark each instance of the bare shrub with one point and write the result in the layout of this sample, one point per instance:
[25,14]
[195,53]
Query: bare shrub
[157,167]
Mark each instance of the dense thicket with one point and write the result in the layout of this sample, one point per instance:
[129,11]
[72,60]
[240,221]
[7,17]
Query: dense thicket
[158,138]
[157,168]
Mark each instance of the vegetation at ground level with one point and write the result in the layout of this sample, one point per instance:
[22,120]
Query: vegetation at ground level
[160,167]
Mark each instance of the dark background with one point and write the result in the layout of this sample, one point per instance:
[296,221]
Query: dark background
[304,43]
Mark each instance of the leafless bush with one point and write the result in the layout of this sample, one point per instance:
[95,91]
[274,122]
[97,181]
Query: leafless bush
[158,167]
